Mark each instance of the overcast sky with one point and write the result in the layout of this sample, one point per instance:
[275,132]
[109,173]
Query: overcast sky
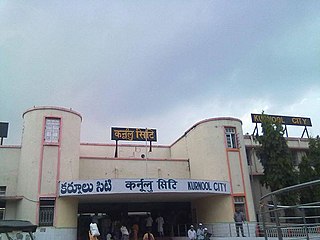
[159,64]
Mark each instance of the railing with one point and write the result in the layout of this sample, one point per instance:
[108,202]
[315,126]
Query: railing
[227,229]
[252,229]
[301,221]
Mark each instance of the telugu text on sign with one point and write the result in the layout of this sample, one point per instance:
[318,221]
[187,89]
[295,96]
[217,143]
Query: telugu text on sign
[149,185]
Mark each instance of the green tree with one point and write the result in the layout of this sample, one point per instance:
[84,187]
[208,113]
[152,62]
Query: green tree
[307,173]
[314,154]
[276,160]
[309,170]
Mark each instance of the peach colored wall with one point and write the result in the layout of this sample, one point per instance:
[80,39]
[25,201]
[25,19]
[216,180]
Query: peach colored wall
[9,159]
[70,147]
[133,150]
[11,207]
[179,148]
[137,168]
[67,210]
[49,170]
[214,209]
[206,151]
[235,166]
[42,164]
[210,159]
[29,166]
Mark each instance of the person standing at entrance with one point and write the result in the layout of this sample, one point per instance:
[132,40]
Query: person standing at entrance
[149,222]
[200,232]
[192,234]
[239,219]
[135,230]
[207,235]
[124,232]
[160,222]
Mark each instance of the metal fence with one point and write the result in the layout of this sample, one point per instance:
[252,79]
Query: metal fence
[225,229]
[300,221]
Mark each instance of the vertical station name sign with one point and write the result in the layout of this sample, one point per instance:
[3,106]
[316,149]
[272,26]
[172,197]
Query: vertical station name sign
[133,134]
[148,185]
[284,120]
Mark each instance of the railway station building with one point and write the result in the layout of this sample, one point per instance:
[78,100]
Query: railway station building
[61,184]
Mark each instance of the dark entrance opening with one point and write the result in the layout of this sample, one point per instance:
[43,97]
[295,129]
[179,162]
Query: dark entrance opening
[110,216]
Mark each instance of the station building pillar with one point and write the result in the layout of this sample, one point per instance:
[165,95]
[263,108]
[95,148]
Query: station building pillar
[49,153]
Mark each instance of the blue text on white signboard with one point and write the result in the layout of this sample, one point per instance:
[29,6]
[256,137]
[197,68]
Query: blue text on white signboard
[148,185]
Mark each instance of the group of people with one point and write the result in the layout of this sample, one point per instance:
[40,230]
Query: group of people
[200,234]
[133,231]
[159,221]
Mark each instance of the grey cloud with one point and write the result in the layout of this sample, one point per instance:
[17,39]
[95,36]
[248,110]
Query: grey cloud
[123,61]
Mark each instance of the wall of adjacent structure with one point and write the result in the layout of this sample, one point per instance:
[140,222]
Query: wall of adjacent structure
[9,159]
[299,146]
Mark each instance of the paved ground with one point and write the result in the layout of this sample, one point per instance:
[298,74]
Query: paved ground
[228,238]
[237,238]
[311,237]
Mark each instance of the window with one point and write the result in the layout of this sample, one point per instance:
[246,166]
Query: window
[296,157]
[46,211]
[239,203]
[249,156]
[52,130]
[231,137]
[2,210]
[3,190]
[2,213]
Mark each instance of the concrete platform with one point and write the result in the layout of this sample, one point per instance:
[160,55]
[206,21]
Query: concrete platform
[240,238]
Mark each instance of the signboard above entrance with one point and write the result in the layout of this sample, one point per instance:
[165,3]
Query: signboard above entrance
[286,120]
[148,185]
[134,134]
